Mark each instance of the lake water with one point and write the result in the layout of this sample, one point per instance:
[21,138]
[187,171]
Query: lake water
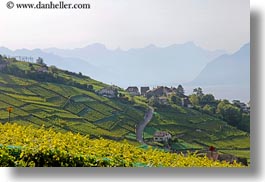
[229,92]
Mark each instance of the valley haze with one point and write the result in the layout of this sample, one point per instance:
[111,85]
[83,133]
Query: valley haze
[224,75]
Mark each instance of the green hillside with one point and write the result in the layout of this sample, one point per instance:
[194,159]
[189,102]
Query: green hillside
[195,129]
[63,107]
[67,101]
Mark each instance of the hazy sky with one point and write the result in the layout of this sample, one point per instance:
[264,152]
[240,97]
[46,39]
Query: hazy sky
[212,24]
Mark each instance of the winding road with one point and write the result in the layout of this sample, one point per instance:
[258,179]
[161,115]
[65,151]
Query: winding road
[140,127]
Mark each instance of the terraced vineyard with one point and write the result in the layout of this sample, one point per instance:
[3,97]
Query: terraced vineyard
[67,105]
[65,108]
[194,129]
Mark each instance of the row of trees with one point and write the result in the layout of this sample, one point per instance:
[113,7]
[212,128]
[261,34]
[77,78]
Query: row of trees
[223,109]
[51,75]
[208,104]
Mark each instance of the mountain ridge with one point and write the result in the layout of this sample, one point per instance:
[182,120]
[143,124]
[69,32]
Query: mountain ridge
[227,69]
[150,65]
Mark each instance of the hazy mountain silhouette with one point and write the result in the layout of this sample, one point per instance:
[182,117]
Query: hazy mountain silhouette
[67,63]
[227,69]
[150,65]
[226,76]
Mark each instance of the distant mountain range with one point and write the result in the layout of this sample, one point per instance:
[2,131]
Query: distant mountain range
[227,69]
[74,64]
[223,74]
[150,65]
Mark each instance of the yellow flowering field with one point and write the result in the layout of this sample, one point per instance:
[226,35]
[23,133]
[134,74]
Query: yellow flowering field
[28,146]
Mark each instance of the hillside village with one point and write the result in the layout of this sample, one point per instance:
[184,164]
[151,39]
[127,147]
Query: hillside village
[162,97]
[160,94]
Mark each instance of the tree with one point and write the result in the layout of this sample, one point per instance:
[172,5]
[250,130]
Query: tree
[194,99]
[208,109]
[207,99]
[221,105]
[231,114]
[180,91]
[31,67]
[244,124]
[176,100]
[198,91]
[40,61]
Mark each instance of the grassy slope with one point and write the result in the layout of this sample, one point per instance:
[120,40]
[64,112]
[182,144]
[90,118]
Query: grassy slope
[196,130]
[67,108]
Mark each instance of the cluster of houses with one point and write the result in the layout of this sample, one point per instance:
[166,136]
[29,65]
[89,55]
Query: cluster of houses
[159,94]
[147,92]
[244,107]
